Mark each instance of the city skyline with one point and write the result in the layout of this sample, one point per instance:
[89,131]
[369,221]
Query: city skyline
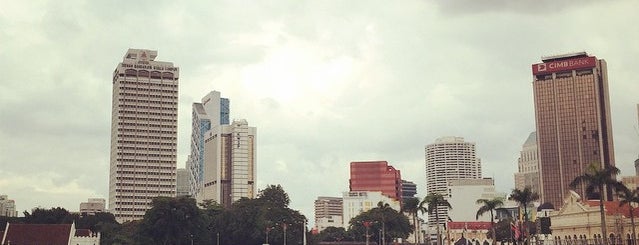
[315,78]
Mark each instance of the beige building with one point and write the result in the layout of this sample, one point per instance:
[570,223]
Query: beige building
[92,206]
[7,207]
[528,165]
[229,163]
[143,133]
[463,194]
[328,212]
[357,202]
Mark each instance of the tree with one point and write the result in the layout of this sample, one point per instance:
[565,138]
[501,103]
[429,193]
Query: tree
[433,201]
[49,216]
[334,234]
[629,197]
[274,195]
[524,198]
[596,179]
[174,221]
[490,206]
[411,206]
[382,217]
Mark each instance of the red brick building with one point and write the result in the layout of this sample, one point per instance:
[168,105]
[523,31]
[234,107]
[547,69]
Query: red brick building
[376,176]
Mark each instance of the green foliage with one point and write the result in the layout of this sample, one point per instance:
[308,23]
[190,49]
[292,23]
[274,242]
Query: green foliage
[49,216]
[174,221]
[383,217]
[334,234]
[433,201]
[274,195]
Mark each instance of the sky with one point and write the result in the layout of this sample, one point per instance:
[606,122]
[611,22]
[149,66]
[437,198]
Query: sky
[325,83]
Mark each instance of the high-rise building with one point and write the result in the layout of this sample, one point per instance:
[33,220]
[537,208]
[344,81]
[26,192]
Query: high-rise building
[449,158]
[572,112]
[182,183]
[328,212]
[376,176]
[409,189]
[528,174]
[212,112]
[229,163]
[93,206]
[143,133]
[7,207]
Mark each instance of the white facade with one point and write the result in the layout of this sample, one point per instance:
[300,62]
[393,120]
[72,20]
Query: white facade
[143,133]
[463,194]
[357,202]
[7,207]
[449,158]
[229,163]
[93,205]
[210,113]
[328,212]
[528,163]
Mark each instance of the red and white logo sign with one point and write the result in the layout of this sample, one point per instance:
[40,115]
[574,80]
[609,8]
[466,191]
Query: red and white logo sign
[564,65]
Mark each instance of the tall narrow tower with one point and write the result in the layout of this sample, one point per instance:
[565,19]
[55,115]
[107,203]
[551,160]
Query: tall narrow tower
[572,112]
[143,133]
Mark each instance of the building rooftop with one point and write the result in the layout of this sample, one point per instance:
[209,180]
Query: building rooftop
[37,234]
[564,56]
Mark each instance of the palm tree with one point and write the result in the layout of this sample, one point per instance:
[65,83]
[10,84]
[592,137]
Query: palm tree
[629,197]
[433,201]
[490,206]
[524,197]
[411,206]
[596,179]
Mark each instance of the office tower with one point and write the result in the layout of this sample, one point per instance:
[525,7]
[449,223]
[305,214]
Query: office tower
[143,133]
[409,189]
[7,207]
[449,158]
[210,113]
[93,206]
[376,176]
[528,174]
[229,163]
[572,112]
[182,183]
[328,212]
[357,202]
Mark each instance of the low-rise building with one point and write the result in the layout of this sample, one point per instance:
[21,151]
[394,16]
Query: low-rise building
[7,207]
[357,202]
[50,234]
[92,206]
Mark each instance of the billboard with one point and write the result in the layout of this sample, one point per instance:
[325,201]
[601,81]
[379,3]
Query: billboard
[564,65]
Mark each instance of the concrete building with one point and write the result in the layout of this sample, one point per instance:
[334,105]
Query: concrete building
[7,207]
[463,194]
[357,202]
[143,133]
[409,189]
[572,113]
[449,158]
[182,186]
[229,163]
[93,206]
[212,112]
[328,212]
[376,176]
[528,165]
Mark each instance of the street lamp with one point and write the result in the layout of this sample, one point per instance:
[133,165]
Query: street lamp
[284,225]
[267,231]
[367,224]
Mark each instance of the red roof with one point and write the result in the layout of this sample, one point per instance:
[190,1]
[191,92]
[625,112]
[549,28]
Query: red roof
[50,234]
[612,208]
[471,225]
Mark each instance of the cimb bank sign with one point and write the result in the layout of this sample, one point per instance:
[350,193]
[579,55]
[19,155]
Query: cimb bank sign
[564,65]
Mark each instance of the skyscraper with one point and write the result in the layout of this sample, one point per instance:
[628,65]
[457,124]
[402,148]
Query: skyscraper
[143,133]
[572,112]
[449,158]
[528,174]
[229,163]
[211,113]
[376,176]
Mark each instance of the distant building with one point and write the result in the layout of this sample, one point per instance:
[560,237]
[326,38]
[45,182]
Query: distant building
[92,206]
[328,212]
[50,234]
[212,112]
[182,180]
[572,114]
[357,202]
[7,207]
[143,133]
[376,176]
[528,173]
[229,163]
[449,158]
[409,189]
[631,182]
[463,194]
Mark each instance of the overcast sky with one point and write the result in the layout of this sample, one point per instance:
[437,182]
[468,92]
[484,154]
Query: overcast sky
[324,82]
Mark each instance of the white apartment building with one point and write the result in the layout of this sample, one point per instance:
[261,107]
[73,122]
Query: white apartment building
[7,207]
[212,112]
[528,163]
[357,202]
[143,133]
[229,163]
[92,206]
[328,212]
[449,158]
[463,195]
